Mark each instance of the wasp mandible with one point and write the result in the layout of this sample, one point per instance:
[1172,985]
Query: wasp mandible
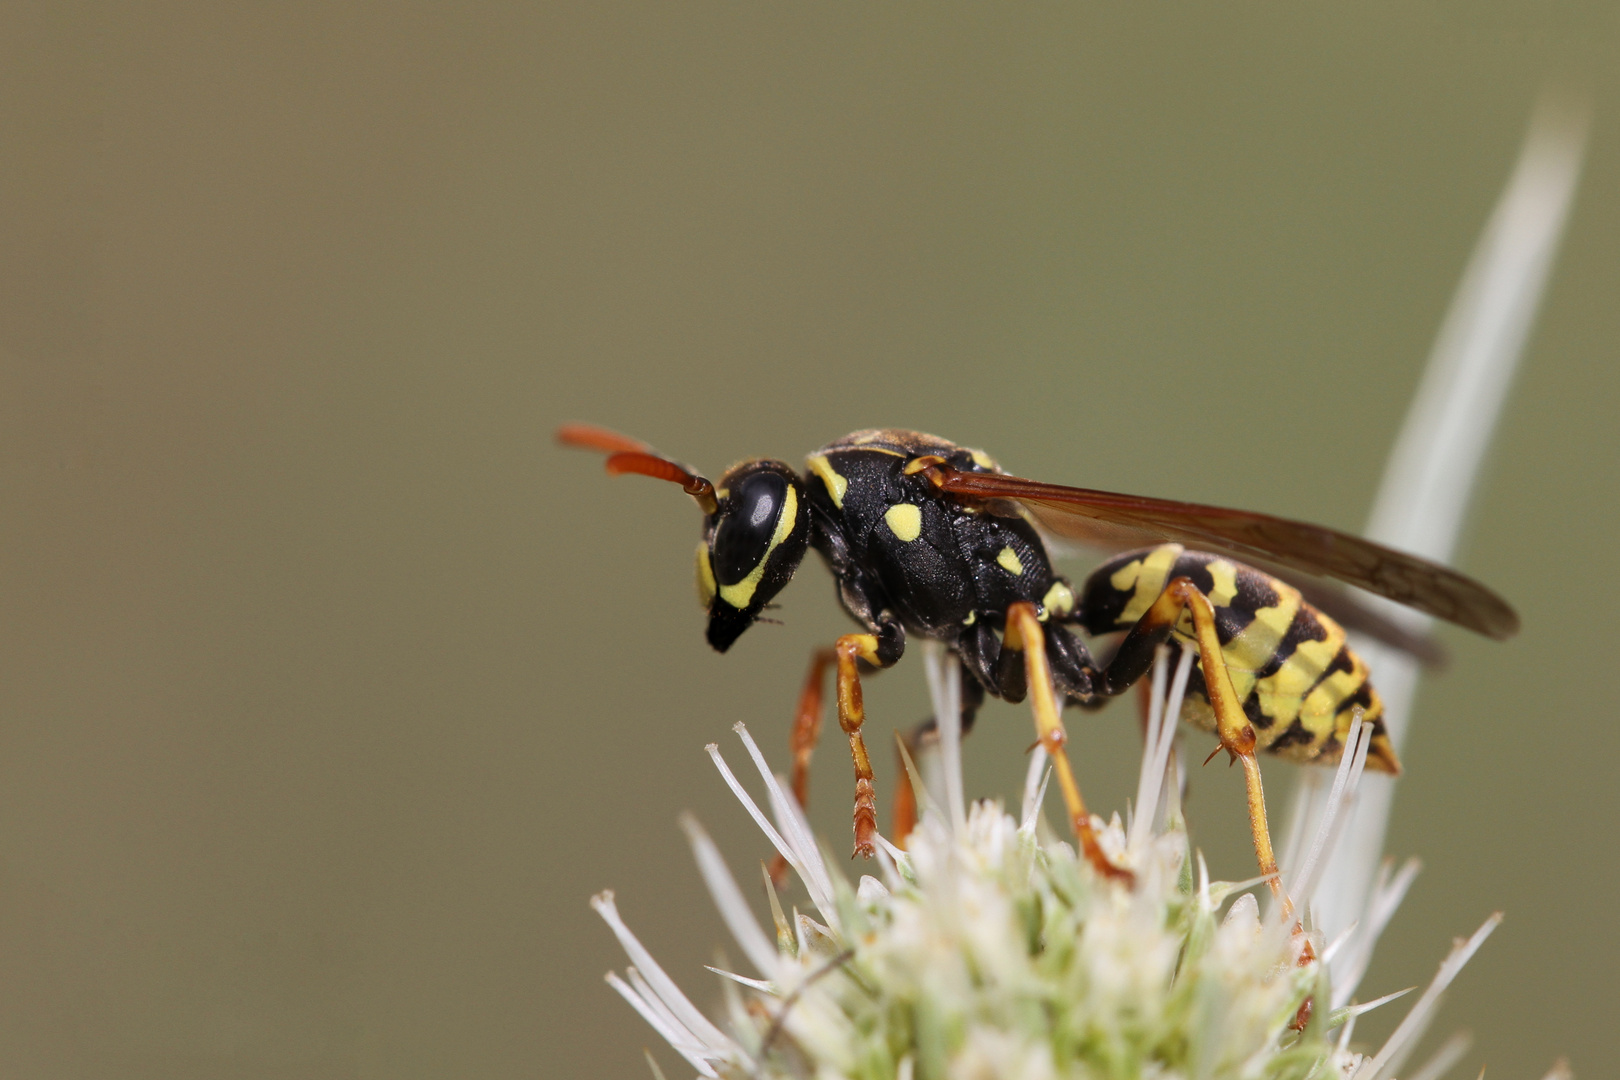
[924,537]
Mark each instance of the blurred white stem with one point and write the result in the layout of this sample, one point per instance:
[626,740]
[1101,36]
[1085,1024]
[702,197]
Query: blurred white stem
[1431,473]
[945,694]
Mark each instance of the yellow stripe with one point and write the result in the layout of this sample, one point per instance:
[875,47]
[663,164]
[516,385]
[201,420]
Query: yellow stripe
[1147,576]
[904,520]
[1281,695]
[705,575]
[1254,647]
[742,592]
[836,484]
[1325,700]
[1224,576]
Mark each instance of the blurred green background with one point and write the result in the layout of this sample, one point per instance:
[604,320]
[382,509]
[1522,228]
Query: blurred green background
[330,690]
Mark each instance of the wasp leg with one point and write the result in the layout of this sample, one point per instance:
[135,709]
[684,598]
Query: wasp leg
[1232,727]
[1025,633]
[905,800]
[880,650]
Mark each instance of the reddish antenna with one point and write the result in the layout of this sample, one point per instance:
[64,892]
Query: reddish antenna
[627,455]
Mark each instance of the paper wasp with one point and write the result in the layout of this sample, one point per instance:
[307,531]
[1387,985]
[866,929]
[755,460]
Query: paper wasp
[924,537]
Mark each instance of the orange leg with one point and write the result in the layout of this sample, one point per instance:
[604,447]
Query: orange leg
[1024,632]
[851,715]
[905,799]
[1231,725]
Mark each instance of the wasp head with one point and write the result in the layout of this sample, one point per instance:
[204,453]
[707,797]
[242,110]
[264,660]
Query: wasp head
[752,543]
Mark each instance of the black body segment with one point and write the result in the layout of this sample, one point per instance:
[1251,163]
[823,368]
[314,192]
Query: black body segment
[934,564]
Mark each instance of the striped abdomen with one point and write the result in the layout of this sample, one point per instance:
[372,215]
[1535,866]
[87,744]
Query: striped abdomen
[1298,680]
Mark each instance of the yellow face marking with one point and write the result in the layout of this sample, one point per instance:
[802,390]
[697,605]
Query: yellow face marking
[1008,560]
[836,484]
[973,617]
[1059,600]
[739,594]
[705,576]
[904,520]
[742,592]
[1147,576]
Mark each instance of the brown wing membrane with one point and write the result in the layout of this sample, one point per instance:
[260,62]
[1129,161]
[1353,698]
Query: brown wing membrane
[1084,514]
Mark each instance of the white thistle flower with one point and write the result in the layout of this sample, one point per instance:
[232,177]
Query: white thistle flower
[990,950]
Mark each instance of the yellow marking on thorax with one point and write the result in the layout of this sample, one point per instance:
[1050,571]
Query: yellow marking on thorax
[836,483]
[1147,576]
[705,575]
[742,592]
[982,460]
[1008,560]
[973,617]
[904,520]
[1059,599]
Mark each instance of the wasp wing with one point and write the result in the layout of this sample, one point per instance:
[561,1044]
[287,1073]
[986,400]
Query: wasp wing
[1103,517]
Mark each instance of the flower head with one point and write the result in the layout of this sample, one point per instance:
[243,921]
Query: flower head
[989,948]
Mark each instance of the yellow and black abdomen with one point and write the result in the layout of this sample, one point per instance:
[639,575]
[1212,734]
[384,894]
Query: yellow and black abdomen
[1298,679]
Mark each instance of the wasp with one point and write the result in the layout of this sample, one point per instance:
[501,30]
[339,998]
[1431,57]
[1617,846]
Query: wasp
[927,538]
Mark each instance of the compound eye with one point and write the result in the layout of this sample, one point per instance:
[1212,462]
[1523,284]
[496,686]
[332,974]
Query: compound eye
[743,537]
